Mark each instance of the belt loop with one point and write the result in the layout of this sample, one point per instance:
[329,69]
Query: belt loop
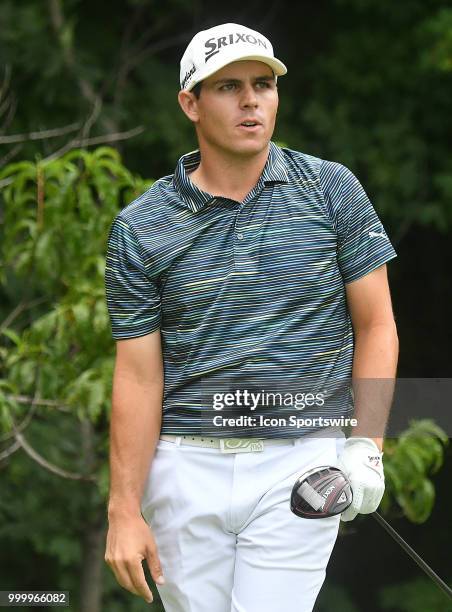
[178,440]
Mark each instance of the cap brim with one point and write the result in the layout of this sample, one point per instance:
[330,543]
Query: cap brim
[278,67]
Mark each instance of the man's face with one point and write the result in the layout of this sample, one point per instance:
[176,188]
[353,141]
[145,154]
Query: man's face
[241,91]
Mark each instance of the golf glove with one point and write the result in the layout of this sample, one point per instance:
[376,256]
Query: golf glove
[361,461]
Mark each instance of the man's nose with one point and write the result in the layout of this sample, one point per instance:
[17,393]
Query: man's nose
[249,97]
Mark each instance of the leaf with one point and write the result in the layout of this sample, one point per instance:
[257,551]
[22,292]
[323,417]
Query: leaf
[96,396]
[103,153]
[82,314]
[408,462]
[392,478]
[16,168]
[429,428]
[100,320]
[12,335]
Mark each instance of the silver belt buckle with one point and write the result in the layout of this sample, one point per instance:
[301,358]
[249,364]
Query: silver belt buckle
[241,445]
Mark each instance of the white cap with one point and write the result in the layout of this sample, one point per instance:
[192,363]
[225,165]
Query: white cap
[210,50]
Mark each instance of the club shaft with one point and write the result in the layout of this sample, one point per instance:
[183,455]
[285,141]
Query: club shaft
[413,554]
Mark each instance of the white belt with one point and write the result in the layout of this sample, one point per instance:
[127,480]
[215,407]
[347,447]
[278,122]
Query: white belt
[227,445]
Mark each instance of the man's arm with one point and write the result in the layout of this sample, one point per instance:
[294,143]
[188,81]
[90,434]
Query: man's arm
[136,419]
[376,352]
[134,431]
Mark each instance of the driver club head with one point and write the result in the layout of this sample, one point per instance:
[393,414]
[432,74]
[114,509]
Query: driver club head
[321,492]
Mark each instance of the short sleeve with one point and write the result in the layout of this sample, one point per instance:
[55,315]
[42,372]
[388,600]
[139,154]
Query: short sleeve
[133,299]
[363,244]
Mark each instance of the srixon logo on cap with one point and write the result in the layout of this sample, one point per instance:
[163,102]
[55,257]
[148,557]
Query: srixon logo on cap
[213,45]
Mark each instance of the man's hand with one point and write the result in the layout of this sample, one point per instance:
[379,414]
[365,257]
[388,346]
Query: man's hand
[129,541]
[361,461]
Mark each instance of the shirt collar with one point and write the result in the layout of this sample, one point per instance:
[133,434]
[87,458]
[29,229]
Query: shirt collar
[275,171]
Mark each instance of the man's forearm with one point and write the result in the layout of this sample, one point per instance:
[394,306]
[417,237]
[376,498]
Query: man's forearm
[374,371]
[134,431]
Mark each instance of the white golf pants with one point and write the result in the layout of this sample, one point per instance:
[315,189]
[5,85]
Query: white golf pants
[226,537]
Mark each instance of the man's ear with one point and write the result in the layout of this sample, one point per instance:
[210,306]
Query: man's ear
[189,104]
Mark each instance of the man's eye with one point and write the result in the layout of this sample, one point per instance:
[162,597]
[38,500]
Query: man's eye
[227,86]
[263,83]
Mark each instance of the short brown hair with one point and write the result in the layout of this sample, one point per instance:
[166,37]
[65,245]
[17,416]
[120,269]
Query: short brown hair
[197,89]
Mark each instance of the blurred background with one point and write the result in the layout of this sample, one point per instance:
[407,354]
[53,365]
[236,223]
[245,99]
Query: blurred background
[88,119]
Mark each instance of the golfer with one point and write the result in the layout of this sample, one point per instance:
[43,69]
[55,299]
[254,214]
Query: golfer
[252,263]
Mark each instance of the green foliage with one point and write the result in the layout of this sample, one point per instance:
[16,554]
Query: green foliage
[57,216]
[408,462]
[56,222]
[378,101]
[419,595]
[334,597]
[437,37]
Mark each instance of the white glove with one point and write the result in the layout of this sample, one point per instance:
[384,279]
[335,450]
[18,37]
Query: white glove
[362,462]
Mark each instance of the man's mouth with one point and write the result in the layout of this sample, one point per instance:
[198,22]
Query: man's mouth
[250,125]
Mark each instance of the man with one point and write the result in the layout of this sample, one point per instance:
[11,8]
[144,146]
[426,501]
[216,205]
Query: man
[253,263]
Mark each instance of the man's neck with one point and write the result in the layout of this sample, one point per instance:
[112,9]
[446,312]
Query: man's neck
[229,176]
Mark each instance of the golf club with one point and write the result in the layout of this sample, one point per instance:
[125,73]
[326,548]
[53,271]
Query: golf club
[326,491]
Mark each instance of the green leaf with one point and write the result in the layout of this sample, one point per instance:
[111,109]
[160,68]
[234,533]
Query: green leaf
[12,335]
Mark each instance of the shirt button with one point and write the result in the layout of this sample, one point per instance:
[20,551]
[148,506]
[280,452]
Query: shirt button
[240,236]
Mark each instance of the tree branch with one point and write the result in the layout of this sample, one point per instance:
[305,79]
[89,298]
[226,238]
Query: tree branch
[58,24]
[92,118]
[23,424]
[73,144]
[25,399]
[6,79]
[160,45]
[127,53]
[41,134]
[18,309]
[51,467]
[10,450]
[11,105]
[21,441]
[9,102]
[9,156]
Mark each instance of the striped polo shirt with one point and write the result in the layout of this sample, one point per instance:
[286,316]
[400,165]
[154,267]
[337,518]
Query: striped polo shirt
[245,293]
